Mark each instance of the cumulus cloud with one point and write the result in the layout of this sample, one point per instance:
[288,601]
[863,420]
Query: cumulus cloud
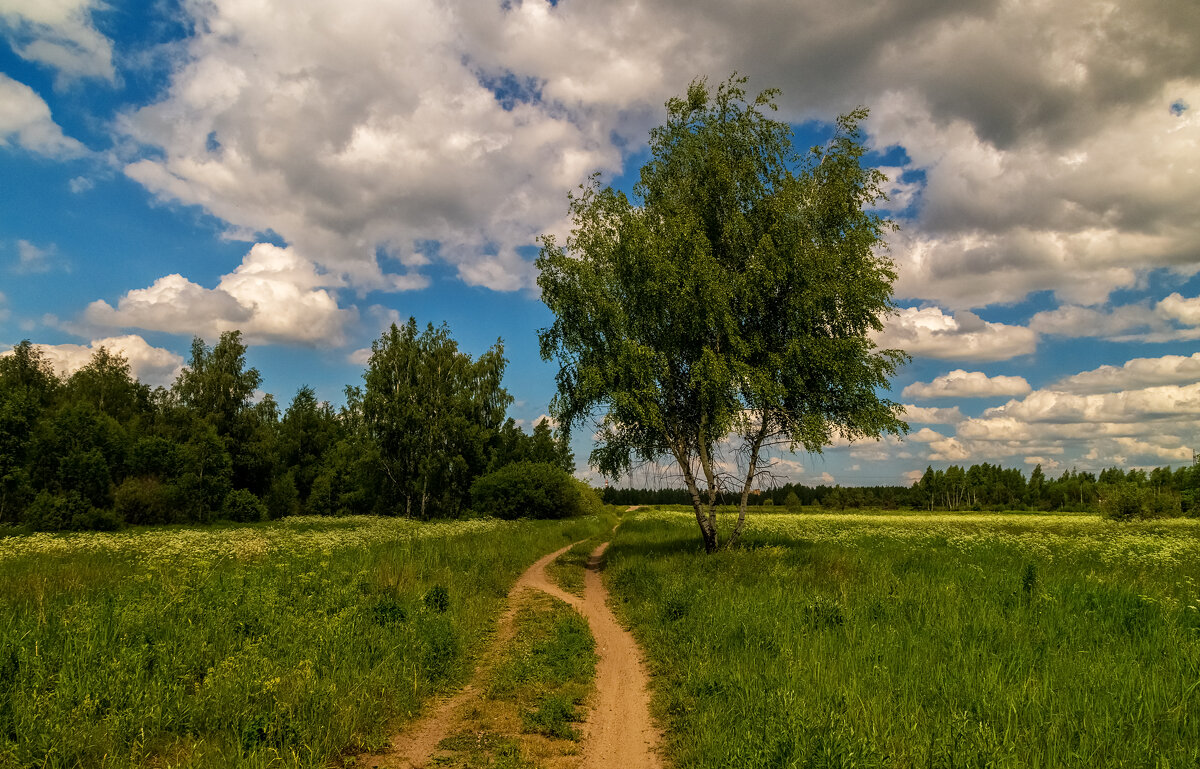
[25,121]
[930,333]
[59,34]
[1137,373]
[274,295]
[967,384]
[357,131]
[1125,323]
[932,416]
[1177,308]
[150,365]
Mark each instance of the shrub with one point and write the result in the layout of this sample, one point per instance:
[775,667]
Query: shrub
[143,501]
[528,490]
[55,512]
[791,500]
[242,506]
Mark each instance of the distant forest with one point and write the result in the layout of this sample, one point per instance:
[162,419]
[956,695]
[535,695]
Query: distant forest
[98,449]
[1162,491]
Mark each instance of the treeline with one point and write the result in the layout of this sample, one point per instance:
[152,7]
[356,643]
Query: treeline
[98,449]
[1115,492]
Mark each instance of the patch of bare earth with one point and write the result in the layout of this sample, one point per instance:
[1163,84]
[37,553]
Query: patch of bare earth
[618,731]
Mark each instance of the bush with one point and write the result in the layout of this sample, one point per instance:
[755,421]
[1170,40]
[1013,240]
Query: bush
[55,512]
[529,490]
[143,501]
[242,506]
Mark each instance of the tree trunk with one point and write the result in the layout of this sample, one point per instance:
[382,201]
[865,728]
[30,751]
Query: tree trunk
[704,518]
[755,446]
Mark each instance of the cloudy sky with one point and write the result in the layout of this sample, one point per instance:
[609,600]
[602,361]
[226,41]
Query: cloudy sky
[308,171]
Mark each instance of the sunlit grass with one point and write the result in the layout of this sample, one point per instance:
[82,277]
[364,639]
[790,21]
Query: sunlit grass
[912,640]
[283,644]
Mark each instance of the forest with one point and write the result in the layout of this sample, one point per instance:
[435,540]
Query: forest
[980,487]
[98,449]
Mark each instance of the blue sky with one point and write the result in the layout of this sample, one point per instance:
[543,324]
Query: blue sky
[310,171]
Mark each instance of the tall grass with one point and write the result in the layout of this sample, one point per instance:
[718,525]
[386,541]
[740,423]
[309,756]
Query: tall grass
[283,644]
[884,641]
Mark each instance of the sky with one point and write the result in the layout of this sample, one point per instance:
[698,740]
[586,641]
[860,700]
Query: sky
[309,172]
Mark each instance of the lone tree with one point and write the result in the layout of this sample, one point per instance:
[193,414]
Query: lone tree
[730,305]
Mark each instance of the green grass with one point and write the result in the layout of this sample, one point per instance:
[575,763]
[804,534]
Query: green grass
[568,569]
[282,644]
[548,668]
[909,640]
[533,695]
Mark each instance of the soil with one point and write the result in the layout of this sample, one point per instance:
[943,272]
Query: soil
[618,731]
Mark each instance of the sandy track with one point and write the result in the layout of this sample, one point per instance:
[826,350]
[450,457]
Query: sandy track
[618,731]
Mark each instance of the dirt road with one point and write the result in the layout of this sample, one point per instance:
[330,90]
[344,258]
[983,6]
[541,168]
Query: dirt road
[618,731]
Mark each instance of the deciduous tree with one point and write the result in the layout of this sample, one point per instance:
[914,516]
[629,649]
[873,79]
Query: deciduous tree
[734,296]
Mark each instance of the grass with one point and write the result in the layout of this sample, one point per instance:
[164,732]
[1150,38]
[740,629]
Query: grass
[534,694]
[916,640]
[281,644]
[568,569]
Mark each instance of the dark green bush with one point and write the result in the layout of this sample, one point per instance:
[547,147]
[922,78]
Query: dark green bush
[529,490]
[242,506]
[55,512]
[143,501]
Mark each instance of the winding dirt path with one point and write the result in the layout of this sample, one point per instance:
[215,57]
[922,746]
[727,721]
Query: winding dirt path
[618,731]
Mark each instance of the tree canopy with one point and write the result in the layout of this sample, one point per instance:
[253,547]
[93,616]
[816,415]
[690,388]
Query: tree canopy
[729,306]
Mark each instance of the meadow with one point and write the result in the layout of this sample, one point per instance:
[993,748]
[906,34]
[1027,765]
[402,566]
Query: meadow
[894,640]
[292,643]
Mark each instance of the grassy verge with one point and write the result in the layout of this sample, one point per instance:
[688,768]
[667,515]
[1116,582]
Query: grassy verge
[567,570]
[880,641]
[534,699]
[280,644]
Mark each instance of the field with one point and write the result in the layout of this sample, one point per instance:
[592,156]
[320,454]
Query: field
[284,644]
[918,640]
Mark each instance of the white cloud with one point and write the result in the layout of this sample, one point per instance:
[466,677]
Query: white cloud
[948,450]
[360,357]
[150,365]
[3,310]
[1137,373]
[32,259]
[1048,463]
[1051,157]
[273,296]
[25,120]
[932,416]
[925,435]
[80,184]
[967,384]
[928,332]
[1125,323]
[1185,311]
[58,33]
[357,128]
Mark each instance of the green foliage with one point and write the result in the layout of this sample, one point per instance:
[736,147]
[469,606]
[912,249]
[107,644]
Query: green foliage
[144,500]
[1127,500]
[528,490]
[431,411]
[242,506]
[736,294]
